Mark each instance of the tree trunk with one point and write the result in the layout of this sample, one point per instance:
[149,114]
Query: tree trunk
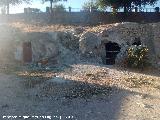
[8,8]
[51,11]
[125,8]
[51,8]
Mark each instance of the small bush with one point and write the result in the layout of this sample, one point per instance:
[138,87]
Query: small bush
[59,8]
[137,57]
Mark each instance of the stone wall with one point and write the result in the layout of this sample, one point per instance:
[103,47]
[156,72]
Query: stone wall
[83,17]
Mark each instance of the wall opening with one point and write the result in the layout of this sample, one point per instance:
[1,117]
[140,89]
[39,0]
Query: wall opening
[137,42]
[27,52]
[112,49]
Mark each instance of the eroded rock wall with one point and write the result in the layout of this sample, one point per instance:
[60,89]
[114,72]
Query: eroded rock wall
[125,34]
[68,46]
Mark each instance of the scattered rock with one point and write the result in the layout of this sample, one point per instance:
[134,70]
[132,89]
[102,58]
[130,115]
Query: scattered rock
[78,30]
[86,91]
[58,80]
[148,106]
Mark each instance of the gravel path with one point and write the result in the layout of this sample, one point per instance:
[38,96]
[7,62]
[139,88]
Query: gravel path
[48,99]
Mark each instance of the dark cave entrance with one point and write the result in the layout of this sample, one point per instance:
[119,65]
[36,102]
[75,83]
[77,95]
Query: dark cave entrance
[137,42]
[112,49]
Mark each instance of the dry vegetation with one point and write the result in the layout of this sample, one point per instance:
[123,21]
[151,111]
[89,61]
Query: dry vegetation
[57,27]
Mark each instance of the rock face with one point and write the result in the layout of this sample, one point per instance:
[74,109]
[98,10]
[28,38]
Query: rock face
[90,47]
[156,42]
[131,33]
[68,47]
[71,46]
[43,46]
[68,40]
[121,57]
[89,43]
[123,33]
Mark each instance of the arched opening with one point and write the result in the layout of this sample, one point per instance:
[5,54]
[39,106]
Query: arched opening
[112,49]
[137,42]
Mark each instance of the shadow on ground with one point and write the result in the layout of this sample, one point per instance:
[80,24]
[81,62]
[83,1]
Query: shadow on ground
[82,100]
[38,95]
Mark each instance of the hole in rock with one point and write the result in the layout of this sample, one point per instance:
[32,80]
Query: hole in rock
[112,49]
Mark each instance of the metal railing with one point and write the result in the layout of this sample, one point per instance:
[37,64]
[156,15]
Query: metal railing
[136,9]
[35,10]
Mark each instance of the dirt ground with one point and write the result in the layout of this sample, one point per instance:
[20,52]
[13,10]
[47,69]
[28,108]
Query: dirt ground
[80,92]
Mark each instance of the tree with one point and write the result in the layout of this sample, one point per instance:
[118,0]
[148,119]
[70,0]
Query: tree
[59,8]
[89,5]
[51,3]
[6,3]
[126,4]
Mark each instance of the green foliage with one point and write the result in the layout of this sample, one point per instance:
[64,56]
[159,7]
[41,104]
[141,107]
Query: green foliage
[126,4]
[13,2]
[90,4]
[6,3]
[51,3]
[59,8]
[137,57]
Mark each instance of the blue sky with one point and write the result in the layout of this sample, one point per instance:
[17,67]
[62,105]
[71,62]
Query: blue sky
[42,6]
[38,4]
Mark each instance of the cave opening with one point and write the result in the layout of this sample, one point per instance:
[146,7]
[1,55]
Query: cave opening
[137,42]
[112,49]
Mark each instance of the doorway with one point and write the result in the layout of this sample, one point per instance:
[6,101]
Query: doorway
[137,42]
[112,49]
[27,52]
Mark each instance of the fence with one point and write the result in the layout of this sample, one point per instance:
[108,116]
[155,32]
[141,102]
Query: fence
[83,17]
[90,16]
[136,9]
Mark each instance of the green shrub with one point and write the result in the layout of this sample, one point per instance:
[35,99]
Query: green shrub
[137,57]
[59,8]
